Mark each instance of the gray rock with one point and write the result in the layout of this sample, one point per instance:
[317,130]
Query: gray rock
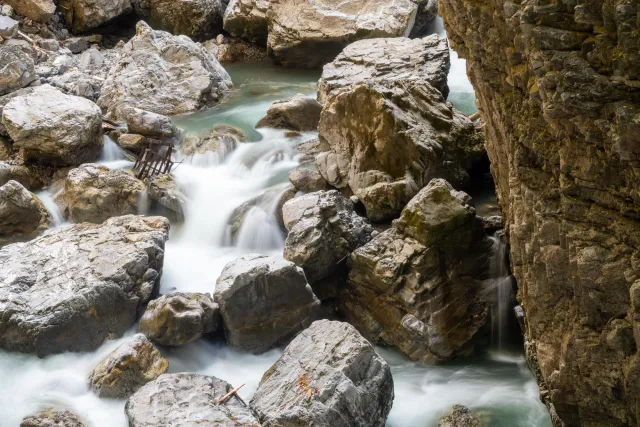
[18,173]
[163,189]
[222,139]
[63,64]
[180,318]
[328,376]
[21,212]
[147,123]
[198,19]
[184,400]
[427,13]
[89,284]
[492,223]
[248,19]
[37,10]
[127,368]
[298,113]
[7,10]
[459,416]
[77,44]
[8,27]
[52,418]
[264,302]
[17,69]
[52,45]
[90,60]
[307,180]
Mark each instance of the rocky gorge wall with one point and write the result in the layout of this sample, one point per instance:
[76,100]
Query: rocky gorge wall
[557,83]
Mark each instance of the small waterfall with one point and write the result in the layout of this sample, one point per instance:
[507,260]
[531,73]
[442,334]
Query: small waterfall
[47,199]
[501,288]
[112,155]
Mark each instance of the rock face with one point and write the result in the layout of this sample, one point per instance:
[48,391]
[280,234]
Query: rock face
[21,212]
[49,126]
[93,193]
[328,376]
[323,230]
[264,302]
[199,19]
[38,10]
[180,318]
[248,19]
[413,285]
[89,284]
[17,69]
[52,418]
[299,113]
[83,15]
[558,87]
[127,368]
[176,399]
[459,416]
[389,59]
[163,74]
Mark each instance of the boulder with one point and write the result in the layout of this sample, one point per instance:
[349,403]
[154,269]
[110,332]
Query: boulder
[9,172]
[248,19]
[132,142]
[180,318]
[328,376]
[127,368]
[264,302]
[309,34]
[299,113]
[147,123]
[8,27]
[89,284]
[427,13]
[21,212]
[51,127]
[222,139]
[17,69]
[387,59]
[52,418]
[231,49]
[37,10]
[93,193]
[187,399]
[459,416]
[163,74]
[77,44]
[198,19]
[307,180]
[83,15]
[163,189]
[323,230]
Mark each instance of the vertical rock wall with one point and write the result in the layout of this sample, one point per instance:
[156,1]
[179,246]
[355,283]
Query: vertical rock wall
[557,82]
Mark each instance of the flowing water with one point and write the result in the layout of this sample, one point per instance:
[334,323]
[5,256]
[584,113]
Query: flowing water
[498,385]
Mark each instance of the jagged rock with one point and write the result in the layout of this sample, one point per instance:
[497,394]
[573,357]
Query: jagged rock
[83,15]
[51,45]
[127,368]
[132,142]
[180,318]
[389,59]
[264,302]
[222,139]
[185,76]
[21,212]
[427,13]
[323,230]
[176,399]
[38,10]
[93,193]
[52,418]
[91,59]
[299,113]
[307,180]
[89,284]
[558,86]
[163,189]
[77,44]
[459,416]
[147,123]
[51,127]
[309,35]
[328,376]
[8,27]
[17,69]
[248,19]
[199,19]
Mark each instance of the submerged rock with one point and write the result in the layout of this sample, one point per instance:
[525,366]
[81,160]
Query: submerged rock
[17,70]
[37,10]
[21,212]
[52,418]
[180,399]
[199,19]
[264,302]
[89,284]
[299,113]
[328,376]
[459,416]
[127,368]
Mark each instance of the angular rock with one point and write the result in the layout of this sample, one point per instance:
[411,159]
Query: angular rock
[89,284]
[127,368]
[180,318]
[175,399]
[235,50]
[163,189]
[323,230]
[248,19]
[264,302]
[17,69]
[52,418]
[222,139]
[147,123]
[198,19]
[37,10]
[307,180]
[94,193]
[132,142]
[459,416]
[77,44]
[299,113]
[427,13]
[83,15]
[51,127]
[163,74]
[328,376]
[8,27]
[21,212]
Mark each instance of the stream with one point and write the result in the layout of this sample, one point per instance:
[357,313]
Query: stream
[498,385]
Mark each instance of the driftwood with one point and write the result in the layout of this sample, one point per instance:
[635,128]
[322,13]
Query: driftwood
[228,395]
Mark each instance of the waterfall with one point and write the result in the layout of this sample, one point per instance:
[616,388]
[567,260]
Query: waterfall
[501,286]
[47,200]
[112,156]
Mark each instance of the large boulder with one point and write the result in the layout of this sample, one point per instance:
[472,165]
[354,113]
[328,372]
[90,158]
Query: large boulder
[388,59]
[127,368]
[17,69]
[180,318]
[328,376]
[93,193]
[75,286]
[199,19]
[83,15]
[187,399]
[147,123]
[51,127]
[248,19]
[52,418]
[299,113]
[21,212]
[323,230]
[163,74]
[37,10]
[264,302]
[309,34]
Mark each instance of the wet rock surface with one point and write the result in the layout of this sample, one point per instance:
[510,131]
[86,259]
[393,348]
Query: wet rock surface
[21,212]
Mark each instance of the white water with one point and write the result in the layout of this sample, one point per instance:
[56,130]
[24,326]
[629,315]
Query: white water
[112,155]
[500,285]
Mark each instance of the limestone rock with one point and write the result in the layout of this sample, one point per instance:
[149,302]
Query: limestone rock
[176,399]
[264,302]
[17,69]
[18,173]
[21,212]
[93,193]
[83,15]
[132,142]
[52,418]
[307,180]
[459,416]
[163,74]
[127,368]
[222,139]
[299,113]
[8,27]
[163,189]
[248,19]
[89,284]
[323,230]
[328,376]
[231,49]
[198,19]
[147,123]
[180,318]
[427,13]
[38,10]
[51,127]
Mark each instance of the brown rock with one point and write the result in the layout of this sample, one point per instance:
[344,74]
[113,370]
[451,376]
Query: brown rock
[299,113]
[21,212]
[38,10]
[52,418]
[132,142]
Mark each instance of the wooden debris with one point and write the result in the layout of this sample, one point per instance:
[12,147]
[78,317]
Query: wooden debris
[152,161]
[228,395]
